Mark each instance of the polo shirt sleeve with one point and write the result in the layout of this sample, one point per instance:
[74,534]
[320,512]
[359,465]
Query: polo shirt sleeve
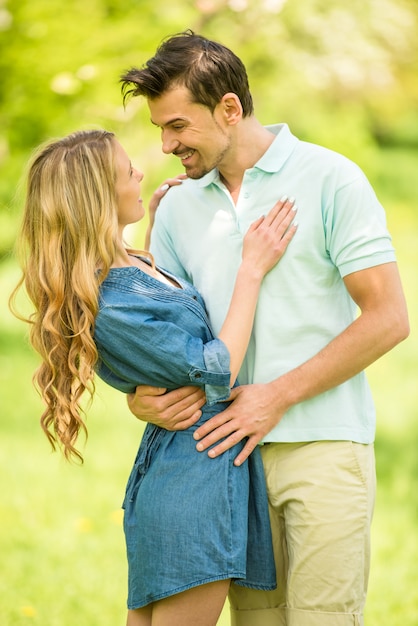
[137,348]
[355,228]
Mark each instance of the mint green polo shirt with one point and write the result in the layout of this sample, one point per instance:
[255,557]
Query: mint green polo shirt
[303,302]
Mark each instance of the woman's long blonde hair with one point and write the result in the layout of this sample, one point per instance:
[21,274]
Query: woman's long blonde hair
[69,232]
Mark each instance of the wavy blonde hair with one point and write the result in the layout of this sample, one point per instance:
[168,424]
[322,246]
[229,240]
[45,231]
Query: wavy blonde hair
[69,231]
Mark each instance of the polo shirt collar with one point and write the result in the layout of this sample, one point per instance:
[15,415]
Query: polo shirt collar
[280,149]
[271,161]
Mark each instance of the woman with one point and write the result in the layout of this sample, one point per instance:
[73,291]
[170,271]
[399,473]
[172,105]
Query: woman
[191,523]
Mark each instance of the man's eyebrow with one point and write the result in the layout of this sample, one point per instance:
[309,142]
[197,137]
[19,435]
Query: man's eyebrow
[169,122]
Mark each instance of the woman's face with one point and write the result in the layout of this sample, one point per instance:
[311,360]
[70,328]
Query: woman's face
[128,189]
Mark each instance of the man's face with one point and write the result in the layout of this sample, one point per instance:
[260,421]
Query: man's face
[190,131]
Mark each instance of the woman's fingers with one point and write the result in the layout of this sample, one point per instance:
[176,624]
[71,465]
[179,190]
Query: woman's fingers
[283,204]
[280,212]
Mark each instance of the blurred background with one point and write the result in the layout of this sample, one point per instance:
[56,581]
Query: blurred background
[342,74]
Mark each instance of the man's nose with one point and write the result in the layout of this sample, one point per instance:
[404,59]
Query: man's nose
[169,142]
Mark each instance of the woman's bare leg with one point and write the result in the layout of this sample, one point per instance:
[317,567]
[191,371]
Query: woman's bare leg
[200,606]
[140,617]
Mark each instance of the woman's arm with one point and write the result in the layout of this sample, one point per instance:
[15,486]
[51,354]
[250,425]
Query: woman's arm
[155,201]
[180,408]
[144,341]
[264,245]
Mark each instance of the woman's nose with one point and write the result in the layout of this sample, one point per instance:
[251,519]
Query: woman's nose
[138,175]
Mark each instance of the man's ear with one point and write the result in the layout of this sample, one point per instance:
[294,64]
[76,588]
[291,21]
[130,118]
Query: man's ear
[231,108]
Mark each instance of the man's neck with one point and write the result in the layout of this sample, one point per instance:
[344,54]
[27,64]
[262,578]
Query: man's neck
[251,142]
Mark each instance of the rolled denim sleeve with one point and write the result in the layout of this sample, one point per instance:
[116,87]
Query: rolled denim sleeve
[138,347]
[216,358]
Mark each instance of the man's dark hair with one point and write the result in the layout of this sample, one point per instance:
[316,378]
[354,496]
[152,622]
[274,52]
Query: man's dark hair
[208,69]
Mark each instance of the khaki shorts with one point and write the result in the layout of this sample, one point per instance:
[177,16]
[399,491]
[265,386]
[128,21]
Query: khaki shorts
[321,498]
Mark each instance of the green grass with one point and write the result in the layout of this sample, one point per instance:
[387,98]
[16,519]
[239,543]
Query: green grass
[61,542]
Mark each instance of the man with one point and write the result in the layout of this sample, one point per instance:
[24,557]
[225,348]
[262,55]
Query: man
[308,400]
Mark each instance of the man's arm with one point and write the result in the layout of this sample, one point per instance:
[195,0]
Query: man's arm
[175,410]
[256,409]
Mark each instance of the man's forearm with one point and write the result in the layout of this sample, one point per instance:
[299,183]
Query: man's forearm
[256,409]
[360,345]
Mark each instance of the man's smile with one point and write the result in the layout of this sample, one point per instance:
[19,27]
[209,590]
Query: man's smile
[185,156]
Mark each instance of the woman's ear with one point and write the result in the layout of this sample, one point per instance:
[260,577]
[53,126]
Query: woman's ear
[231,108]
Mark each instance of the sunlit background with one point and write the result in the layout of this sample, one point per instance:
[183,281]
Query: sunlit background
[343,74]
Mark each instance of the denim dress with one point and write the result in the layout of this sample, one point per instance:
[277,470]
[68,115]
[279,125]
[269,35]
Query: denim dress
[189,519]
